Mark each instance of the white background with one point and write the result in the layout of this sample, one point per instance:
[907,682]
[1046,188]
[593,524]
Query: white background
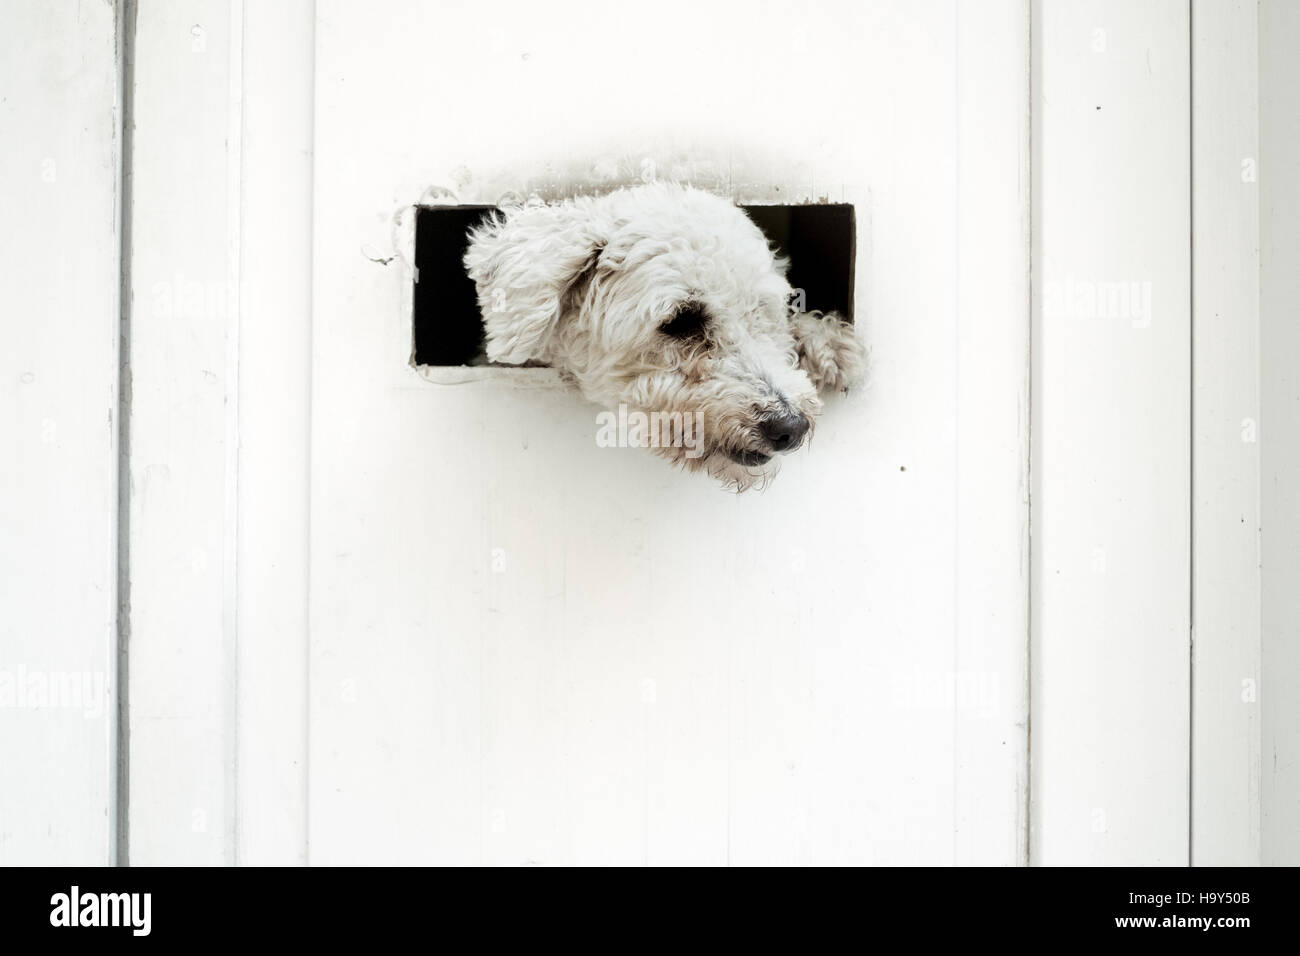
[375,614]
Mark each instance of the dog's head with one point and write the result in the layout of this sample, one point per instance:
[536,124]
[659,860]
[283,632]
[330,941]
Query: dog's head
[670,301]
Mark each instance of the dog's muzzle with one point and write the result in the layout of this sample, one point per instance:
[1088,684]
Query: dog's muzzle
[783,431]
[750,459]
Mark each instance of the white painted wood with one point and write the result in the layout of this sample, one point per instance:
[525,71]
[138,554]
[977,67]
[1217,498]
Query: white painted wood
[59,252]
[184,313]
[513,662]
[992,432]
[525,648]
[221,348]
[274,399]
[1226,414]
[1111,403]
[1279,291]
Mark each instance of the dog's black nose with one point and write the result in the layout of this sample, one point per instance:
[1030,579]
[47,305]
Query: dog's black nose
[784,430]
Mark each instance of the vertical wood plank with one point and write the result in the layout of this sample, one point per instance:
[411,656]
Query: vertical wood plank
[1279,291]
[274,401]
[59,178]
[183,317]
[1111,434]
[1226,415]
[991,680]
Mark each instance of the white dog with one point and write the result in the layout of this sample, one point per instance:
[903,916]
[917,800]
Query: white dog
[670,301]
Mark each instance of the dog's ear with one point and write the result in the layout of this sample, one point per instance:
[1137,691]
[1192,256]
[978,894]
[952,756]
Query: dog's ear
[525,264]
[829,350]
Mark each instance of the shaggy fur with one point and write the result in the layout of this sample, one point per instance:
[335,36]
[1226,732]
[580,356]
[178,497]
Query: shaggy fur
[666,299]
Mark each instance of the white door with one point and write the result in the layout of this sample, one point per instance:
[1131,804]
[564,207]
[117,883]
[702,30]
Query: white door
[377,612]
[530,649]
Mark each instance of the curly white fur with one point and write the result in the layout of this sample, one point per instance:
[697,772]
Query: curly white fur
[589,284]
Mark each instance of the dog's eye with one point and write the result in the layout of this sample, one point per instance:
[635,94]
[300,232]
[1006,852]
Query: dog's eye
[688,323]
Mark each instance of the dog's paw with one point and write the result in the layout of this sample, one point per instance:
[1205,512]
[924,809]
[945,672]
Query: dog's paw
[829,351]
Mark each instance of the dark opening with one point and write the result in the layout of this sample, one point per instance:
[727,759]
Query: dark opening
[818,240]
[448,326]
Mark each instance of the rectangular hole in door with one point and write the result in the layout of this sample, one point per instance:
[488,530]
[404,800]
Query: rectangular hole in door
[448,328]
[819,240]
